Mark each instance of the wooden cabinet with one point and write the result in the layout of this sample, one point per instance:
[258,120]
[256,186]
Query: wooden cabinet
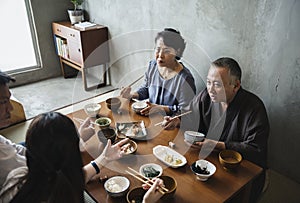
[82,49]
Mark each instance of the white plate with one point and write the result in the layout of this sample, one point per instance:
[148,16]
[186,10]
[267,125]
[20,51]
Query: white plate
[169,156]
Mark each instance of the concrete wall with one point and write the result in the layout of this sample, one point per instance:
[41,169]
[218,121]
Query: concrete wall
[263,36]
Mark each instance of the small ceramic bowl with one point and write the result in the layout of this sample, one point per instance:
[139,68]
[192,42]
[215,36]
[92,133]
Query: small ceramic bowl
[192,136]
[103,122]
[92,109]
[171,184]
[113,103]
[117,186]
[138,106]
[203,169]
[135,195]
[107,133]
[151,170]
[131,147]
[230,159]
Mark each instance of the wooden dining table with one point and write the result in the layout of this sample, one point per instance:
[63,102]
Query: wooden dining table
[223,186]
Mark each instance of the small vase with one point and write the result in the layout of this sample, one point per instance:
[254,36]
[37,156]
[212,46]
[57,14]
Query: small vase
[75,16]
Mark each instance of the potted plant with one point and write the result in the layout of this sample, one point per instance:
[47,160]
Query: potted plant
[76,15]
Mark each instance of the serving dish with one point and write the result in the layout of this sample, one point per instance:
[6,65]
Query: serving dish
[113,103]
[169,156]
[135,130]
[203,169]
[130,147]
[230,159]
[103,122]
[92,109]
[151,170]
[193,136]
[117,186]
[138,106]
[135,195]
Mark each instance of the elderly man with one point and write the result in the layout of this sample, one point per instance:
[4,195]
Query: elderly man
[229,116]
[11,155]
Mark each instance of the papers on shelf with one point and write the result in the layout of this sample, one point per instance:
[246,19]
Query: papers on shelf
[85,25]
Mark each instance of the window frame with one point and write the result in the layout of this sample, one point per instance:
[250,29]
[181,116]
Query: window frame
[36,48]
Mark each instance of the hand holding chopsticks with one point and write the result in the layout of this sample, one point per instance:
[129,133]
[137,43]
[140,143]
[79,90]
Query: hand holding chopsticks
[147,181]
[174,117]
[79,120]
[126,91]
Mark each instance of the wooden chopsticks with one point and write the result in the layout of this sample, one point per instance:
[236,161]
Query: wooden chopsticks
[82,120]
[174,117]
[136,81]
[149,182]
[133,82]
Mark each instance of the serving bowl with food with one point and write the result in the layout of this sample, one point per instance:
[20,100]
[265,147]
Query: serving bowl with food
[134,130]
[103,122]
[113,103]
[138,106]
[170,184]
[129,147]
[193,136]
[107,133]
[92,109]
[169,156]
[135,195]
[151,170]
[117,186]
[230,159]
[203,169]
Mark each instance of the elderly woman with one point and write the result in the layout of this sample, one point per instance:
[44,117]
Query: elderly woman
[168,85]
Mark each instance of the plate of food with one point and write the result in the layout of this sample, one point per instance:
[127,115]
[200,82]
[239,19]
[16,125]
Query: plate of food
[134,130]
[169,156]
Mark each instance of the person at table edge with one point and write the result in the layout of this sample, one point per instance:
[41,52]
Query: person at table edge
[168,85]
[230,117]
[13,161]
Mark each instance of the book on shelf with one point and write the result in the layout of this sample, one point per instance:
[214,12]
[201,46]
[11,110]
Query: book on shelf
[62,48]
[85,25]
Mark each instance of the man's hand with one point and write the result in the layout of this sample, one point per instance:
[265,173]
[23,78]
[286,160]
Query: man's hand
[208,144]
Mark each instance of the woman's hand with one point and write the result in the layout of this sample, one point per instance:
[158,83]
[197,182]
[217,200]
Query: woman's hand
[125,92]
[153,195]
[154,108]
[86,130]
[114,152]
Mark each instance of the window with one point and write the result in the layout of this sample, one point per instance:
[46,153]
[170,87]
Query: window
[19,51]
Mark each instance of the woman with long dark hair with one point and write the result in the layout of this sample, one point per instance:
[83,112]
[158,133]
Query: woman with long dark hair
[54,171]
